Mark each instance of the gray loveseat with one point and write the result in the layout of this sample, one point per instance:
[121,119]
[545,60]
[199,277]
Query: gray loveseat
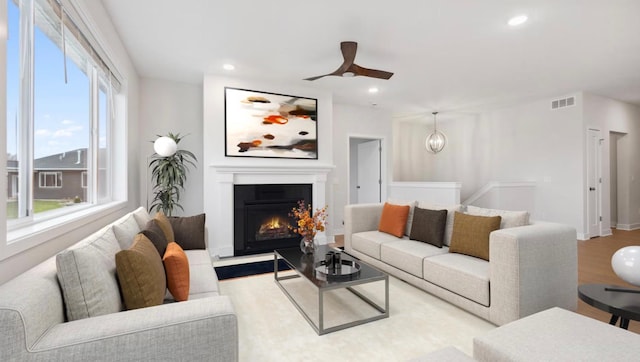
[34,325]
[531,268]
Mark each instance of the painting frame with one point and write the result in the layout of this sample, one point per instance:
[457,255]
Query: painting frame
[261,124]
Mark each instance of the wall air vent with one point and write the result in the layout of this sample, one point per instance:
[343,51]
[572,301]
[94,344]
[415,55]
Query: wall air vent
[564,102]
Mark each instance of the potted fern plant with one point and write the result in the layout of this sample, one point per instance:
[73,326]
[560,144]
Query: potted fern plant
[169,174]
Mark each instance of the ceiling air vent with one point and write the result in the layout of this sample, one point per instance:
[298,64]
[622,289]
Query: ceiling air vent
[562,103]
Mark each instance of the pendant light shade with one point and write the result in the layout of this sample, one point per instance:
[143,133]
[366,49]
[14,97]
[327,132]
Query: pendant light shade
[436,141]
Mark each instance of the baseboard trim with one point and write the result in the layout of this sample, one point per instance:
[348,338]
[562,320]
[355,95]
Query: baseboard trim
[582,236]
[628,227]
[606,232]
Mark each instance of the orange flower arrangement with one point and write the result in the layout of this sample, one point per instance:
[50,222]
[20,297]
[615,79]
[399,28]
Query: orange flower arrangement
[307,225]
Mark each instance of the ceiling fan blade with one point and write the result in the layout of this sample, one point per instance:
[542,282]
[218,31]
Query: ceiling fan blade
[316,77]
[349,49]
[373,73]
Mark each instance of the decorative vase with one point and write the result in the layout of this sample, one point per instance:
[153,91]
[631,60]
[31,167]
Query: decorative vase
[626,264]
[307,245]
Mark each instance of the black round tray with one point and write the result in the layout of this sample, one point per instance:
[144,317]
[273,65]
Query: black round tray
[348,270]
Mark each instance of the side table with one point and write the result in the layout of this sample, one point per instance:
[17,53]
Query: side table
[622,303]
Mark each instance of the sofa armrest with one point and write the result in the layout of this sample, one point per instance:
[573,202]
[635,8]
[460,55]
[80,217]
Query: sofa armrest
[532,268]
[200,329]
[359,218]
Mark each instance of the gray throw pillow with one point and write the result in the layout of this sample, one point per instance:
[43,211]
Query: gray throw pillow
[189,231]
[154,233]
[428,226]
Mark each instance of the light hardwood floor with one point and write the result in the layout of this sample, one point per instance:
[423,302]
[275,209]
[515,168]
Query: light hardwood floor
[594,266]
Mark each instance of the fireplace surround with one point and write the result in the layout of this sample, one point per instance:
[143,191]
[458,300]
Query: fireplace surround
[219,195]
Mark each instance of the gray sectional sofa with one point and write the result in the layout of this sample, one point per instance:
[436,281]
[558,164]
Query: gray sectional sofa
[531,268]
[34,323]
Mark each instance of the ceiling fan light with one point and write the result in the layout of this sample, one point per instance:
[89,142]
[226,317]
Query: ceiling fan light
[348,74]
[518,20]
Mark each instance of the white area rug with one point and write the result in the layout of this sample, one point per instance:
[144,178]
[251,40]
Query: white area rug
[272,329]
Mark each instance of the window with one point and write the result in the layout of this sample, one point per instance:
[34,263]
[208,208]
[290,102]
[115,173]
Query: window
[60,95]
[50,180]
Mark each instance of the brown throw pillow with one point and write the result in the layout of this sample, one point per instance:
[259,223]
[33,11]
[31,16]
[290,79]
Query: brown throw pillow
[143,282]
[176,265]
[393,219]
[154,233]
[428,226]
[165,225]
[189,231]
[471,234]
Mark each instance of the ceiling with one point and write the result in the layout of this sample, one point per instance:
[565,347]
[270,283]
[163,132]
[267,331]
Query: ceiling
[447,55]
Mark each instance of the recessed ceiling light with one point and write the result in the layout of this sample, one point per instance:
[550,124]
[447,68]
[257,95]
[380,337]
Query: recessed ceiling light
[373,90]
[228,67]
[518,20]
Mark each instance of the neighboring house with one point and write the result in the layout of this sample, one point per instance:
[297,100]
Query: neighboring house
[56,177]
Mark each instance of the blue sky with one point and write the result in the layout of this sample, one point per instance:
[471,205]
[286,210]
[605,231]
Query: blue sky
[61,111]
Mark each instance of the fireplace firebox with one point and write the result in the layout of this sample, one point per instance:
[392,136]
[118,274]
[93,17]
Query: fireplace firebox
[261,216]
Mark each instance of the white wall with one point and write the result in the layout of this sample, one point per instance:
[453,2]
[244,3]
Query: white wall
[528,142]
[168,106]
[97,18]
[462,160]
[609,115]
[354,121]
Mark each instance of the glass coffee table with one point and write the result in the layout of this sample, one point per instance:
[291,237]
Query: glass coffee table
[312,269]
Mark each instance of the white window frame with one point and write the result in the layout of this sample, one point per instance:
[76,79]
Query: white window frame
[43,175]
[46,227]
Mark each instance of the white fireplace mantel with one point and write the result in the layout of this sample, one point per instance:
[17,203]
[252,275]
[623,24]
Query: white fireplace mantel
[218,201]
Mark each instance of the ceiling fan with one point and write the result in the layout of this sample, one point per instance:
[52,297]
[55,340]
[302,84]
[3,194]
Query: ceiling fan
[350,69]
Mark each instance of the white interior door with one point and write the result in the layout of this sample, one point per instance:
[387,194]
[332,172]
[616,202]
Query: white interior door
[593,182]
[369,181]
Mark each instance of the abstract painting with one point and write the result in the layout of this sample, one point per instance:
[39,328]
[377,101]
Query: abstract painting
[262,124]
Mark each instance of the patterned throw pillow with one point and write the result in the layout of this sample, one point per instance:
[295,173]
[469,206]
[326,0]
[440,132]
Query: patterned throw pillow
[471,234]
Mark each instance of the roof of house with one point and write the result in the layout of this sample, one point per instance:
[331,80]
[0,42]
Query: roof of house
[70,160]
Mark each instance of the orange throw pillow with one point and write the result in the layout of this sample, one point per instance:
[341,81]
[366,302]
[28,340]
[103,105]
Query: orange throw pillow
[394,219]
[176,266]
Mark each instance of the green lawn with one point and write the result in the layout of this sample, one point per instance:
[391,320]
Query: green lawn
[39,206]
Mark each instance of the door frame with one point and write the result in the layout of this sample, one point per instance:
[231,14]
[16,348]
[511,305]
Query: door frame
[599,184]
[384,175]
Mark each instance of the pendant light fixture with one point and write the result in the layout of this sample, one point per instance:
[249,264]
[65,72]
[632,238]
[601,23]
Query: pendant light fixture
[436,140]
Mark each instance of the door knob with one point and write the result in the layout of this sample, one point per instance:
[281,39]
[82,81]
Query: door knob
[357,187]
[592,188]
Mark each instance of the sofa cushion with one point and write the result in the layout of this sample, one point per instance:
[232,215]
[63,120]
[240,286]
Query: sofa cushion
[87,276]
[411,204]
[461,274]
[176,266]
[189,231]
[471,234]
[451,209]
[408,255]
[154,233]
[368,242]
[202,277]
[141,274]
[165,225]
[510,219]
[394,219]
[142,216]
[428,226]
[125,230]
